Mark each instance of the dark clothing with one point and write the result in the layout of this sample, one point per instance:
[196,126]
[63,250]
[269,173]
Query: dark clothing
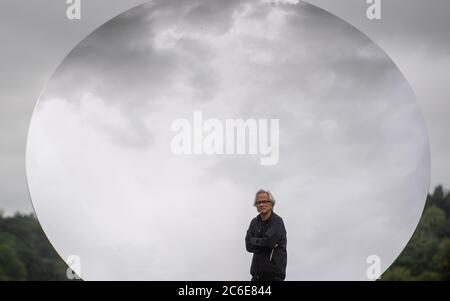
[267,241]
[258,278]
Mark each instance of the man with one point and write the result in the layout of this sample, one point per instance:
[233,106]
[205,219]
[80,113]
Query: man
[266,239]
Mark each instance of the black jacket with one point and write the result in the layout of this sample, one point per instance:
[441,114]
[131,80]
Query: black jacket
[267,241]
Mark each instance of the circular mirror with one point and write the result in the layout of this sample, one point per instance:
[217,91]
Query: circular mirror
[149,142]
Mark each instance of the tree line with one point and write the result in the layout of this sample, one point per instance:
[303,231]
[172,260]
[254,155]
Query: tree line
[426,257]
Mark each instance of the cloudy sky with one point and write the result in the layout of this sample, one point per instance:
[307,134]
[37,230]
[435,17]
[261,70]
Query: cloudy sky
[412,32]
[353,144]
[36,37]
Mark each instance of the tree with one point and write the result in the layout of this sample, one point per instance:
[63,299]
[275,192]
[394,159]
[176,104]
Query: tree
[398,274]
[426,256]
[424,242]
[429,276]
[23,235]
[442,259]
[11,267]
[440,198]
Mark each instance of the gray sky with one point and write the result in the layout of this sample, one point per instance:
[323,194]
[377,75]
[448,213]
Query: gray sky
[353,147]
[36,37]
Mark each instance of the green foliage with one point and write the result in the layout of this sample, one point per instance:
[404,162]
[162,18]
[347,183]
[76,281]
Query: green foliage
[428,276]
[25,252]
[398,274]
[427,255]
[442,259]
[11,267]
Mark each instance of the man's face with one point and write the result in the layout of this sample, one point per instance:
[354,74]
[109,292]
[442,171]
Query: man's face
[262,203]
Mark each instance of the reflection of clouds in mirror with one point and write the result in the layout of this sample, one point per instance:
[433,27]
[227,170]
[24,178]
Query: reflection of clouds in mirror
[353,164]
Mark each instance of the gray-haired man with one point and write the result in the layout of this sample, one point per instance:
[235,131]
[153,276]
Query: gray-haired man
[266,239]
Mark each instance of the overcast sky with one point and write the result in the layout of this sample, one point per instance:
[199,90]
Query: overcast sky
[353,144]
